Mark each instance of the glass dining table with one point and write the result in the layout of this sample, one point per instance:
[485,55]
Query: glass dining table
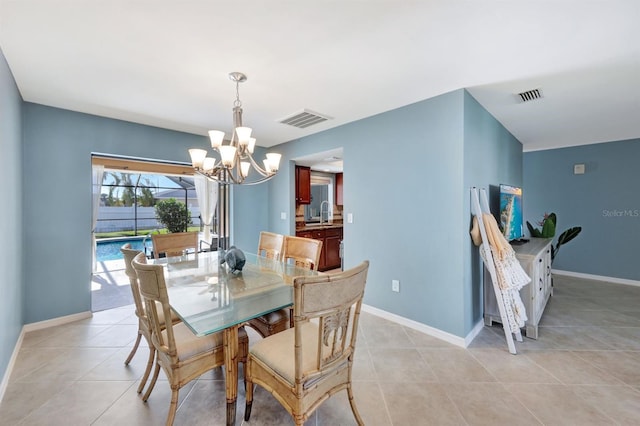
[209,298]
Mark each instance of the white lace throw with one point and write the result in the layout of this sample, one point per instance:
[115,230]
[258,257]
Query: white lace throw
[509,273]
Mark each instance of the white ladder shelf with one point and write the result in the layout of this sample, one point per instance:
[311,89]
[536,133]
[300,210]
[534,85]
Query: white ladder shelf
[480,205]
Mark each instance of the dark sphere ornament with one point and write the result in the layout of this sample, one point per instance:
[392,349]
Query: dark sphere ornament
[235,259]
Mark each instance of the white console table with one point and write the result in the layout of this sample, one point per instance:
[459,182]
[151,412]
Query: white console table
[535,258]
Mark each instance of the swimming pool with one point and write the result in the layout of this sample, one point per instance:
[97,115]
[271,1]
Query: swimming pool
[110,249]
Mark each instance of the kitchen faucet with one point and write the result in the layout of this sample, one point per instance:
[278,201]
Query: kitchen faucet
[321,217]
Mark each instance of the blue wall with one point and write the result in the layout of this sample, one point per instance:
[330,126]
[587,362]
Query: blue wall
[250,210]
[11,310]
[492,156]
[402,176]
[412,226]
[405,186]
[57,198]
[605,201]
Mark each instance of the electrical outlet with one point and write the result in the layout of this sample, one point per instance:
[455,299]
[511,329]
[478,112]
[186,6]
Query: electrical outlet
[395,285]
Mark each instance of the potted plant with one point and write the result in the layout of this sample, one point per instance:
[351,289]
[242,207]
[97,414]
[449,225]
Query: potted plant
[548,230]
[174,215]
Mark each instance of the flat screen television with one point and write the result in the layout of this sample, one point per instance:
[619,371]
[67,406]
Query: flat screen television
[511,212]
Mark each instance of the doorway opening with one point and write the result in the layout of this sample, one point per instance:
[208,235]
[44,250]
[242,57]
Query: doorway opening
[126,192]
[319,204]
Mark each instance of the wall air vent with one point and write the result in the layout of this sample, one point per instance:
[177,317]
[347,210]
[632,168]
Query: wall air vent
[304,119]
[530,95]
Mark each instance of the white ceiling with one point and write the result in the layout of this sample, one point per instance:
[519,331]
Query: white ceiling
[326,161]
[165,62]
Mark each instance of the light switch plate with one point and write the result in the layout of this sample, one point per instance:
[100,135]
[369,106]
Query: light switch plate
[349,217]
[578,169]
[283,215]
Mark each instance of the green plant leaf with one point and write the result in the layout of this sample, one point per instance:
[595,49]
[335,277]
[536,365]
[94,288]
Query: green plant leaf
[569,235]
[535,232]
[549,226]
[552,217]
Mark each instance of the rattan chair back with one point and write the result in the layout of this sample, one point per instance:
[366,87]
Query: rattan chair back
[304,366]
[270,245]
[175,244]
[303,252]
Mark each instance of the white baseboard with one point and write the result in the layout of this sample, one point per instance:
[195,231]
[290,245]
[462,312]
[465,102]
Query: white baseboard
[434,332]
[12,362]
[56,321]
[474,332]
[32,327]
[596,277]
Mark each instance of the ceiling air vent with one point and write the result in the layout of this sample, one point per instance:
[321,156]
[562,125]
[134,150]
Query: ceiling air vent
[304,119]
[530,95]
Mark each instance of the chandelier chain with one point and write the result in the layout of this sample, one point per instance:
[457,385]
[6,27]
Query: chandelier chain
[237,102]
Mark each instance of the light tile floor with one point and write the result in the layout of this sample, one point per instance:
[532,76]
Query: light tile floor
[110,286]
[583,370]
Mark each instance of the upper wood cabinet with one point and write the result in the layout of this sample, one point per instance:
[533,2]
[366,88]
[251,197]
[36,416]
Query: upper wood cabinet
[339,189]
[303,185]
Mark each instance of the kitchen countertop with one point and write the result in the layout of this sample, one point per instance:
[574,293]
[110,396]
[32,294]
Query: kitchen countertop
[316,226]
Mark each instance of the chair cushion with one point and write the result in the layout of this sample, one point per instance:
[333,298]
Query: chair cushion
[174,317]
[278,352]
[189,345]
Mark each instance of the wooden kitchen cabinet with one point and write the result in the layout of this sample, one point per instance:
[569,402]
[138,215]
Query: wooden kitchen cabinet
[304,234]
[339,189]
[303,185]
[331,248]
[330,254]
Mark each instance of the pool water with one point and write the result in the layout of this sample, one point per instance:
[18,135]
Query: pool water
[110,249]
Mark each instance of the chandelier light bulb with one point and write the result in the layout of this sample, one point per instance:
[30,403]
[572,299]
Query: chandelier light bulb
[228,155]
[216,137]
[274,161]
[244,134]
[244,168]
[208,164]
[197,157]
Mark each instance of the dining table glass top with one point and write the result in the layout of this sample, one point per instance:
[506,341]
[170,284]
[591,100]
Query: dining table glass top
[208,297]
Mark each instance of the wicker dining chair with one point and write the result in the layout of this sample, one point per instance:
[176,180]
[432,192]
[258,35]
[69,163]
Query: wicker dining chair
[303,252]
[174,244]
[305,365]
[144,328]
[182,355]
[270,245]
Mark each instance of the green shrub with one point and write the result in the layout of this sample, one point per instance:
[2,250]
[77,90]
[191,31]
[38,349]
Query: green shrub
[174,215]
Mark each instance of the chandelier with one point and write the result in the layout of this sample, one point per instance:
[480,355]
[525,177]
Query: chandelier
[236,155]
